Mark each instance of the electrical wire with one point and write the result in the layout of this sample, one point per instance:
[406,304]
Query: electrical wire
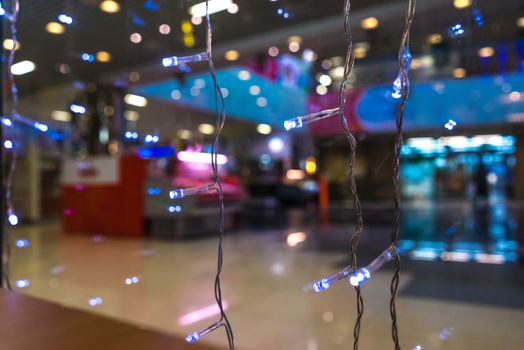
[404,63]
[12,18]
[221,120]
[348,67]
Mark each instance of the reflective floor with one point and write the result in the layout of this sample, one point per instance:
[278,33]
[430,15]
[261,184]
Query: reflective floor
[458,290]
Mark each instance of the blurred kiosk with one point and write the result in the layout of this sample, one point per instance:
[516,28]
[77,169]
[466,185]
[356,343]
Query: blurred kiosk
[104,195]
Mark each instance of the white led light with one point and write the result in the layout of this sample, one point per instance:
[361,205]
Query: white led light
[135,100]
[214,6]
[254,90]
[264,129]
[22,68]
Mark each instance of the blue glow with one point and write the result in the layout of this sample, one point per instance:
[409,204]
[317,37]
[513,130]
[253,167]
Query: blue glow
[156,152]
[65,18]
[22,283]
[41,127]
[22,243]
[138,21]
[151,139]
[131,135]
[2,11]
[13,219]
[477,16]
[457,30]
[176,194]
[280,11]
[321,285]
[87,57]
[359,277]
[78,109]
[8,144]
[193,338]
[399,82]
[95,301]
[154,191]
[293,123]
[174,208]
[7,122]
[151,5]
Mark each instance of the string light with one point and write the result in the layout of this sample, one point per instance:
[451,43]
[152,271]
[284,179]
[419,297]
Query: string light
[450,125]
[77,109]
[175,61]
[187,192]
[401,84]
[362,275]
[65,19]
[457,30]
[300,121]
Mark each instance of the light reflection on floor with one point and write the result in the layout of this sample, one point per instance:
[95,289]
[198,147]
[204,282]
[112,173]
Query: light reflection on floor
[263,280]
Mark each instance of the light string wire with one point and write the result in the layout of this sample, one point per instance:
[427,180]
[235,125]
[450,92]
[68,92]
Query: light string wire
[12,18]
[348,67]
[217,185]
[404,59]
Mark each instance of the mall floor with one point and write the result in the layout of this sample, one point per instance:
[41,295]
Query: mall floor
[444,302]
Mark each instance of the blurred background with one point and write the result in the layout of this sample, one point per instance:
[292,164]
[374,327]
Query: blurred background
[116,131]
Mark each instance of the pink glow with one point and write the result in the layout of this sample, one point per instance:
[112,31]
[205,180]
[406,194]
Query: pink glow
[200,314]
[198,157]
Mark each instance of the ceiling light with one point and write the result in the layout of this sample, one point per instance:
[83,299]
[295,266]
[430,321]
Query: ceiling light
[369,23]
[206,129]
[460,4]
[321,90]
[22,68]
[435,38]
[244,75]
[232,55]
[233,8]
[294,46]
[132,115]
[110,6]
[135,100]
[325,80]
[55,28]
[164,29]
[135,38]
[360,52]
[264,129]
[520,22]
[254,90]
[61,116]
[459,73]
[273,51]
[196,20]
[214,6]
[9,43]
[185,134]
[103,56]
[262,102]
[486,52]
[294,39]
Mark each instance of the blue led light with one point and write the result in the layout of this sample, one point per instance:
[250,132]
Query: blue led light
[131,135]
[154,191]
[8,144]
[65,18]
[156,152]
[399,82]
[450,125]
[41,127]
[22,283]
[2,11]
[321,285]
[176,194]
[193,338]
[457,30]
[138,21]
[151,5]
[95,301]
[22,243]
[359,277]
[13,219]
[7,122]
[174,208]
[293,123]
[477,16]
[151,139]
[78,109]
[87,57]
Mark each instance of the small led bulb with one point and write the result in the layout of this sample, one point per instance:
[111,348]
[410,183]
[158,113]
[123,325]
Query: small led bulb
[298,122]
[364,274]
[194,337]
[181,193]
[175,61]
[327,282]
[13,219]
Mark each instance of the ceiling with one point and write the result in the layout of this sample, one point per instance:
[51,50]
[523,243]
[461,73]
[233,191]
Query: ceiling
[255,27]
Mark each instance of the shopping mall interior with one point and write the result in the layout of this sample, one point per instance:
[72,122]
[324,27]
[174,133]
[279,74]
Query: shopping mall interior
[262,174]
